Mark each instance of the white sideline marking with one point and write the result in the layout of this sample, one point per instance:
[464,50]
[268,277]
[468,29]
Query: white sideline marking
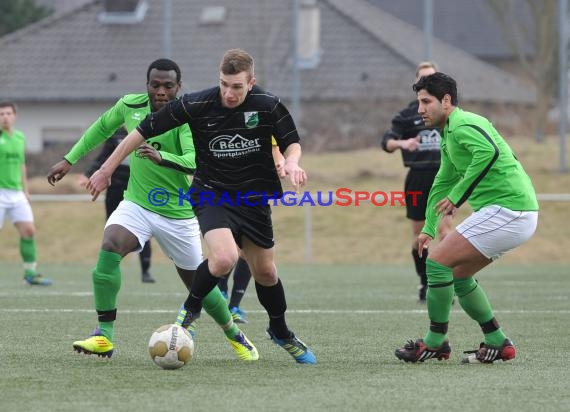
[37,292]
[298,311]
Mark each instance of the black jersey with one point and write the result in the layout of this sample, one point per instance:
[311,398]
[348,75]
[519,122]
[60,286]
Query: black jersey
[120,177]
[408,124]
[233,146]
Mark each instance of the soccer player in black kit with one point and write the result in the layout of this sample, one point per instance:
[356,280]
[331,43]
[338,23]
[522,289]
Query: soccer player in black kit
[232,125]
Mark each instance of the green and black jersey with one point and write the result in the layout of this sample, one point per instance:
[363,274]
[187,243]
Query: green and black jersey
[479,167]
[175,147]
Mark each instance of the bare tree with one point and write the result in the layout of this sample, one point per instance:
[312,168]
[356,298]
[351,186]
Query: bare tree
[533,23]
[16,14]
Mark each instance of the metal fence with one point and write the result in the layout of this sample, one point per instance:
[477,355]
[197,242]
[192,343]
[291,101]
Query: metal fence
[308,211]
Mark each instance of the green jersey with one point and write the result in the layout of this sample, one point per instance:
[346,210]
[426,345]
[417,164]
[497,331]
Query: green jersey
[148,182]
[12,159]
[479,167]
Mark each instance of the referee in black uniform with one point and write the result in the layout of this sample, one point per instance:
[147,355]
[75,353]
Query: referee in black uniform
[420,150]
[114,194]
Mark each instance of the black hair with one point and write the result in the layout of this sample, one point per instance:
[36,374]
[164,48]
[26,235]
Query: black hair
[166,65]
[438,84]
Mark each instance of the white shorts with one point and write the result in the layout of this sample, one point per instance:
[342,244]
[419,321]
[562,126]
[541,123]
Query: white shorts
[14,203]
[179,239]
[494,230]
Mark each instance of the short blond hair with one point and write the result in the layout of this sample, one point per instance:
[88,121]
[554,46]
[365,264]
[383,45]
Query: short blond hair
[236,61]
[425,65]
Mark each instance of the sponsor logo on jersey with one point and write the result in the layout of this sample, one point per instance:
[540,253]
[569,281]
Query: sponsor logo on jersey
[251,119]
[137,116]
[10,156]
[233,146]
[429,139]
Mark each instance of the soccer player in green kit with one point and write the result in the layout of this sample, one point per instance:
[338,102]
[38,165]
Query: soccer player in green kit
[161,167]
[479,167]
[14,191]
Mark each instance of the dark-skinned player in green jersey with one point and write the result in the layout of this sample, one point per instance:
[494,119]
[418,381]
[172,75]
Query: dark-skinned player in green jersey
[162,164]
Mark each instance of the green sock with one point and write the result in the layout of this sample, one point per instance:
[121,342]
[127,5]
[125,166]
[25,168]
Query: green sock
[217,307]
[28,254]
[439,299]
[106,284]
[475,303]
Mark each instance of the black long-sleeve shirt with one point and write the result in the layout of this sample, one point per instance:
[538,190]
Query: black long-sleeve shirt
[408,124]
[120,177]
[233,146]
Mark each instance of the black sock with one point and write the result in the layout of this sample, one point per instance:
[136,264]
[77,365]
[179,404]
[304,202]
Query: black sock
[420,263]
[223,283]
[144,257]
[272,298]
[203,284]
[242,275]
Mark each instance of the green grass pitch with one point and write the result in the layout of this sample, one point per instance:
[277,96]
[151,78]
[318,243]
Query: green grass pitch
[353,317]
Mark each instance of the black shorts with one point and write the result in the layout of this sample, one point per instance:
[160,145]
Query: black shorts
[113,196]
[251,221]
[418,180]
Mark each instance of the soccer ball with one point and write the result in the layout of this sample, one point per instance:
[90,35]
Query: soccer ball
[171,347]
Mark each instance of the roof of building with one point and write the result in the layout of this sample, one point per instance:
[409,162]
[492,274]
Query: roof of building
[471,25]
[365,53]
[61,5]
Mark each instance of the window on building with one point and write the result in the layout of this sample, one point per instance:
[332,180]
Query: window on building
[60,136]
[123,11]
[213,15]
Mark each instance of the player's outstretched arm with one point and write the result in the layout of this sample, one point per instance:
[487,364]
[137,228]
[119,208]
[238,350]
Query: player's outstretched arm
[101,179]
[58,171]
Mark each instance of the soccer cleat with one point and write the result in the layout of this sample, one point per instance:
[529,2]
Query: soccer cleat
[96,344]
[418,352]
[245,350]
[37,279]
[147,278]
[489,354]
[238,315]
[192,330]
[296,348]
[187,320]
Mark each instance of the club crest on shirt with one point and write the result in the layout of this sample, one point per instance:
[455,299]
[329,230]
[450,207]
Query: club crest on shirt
[251,119]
